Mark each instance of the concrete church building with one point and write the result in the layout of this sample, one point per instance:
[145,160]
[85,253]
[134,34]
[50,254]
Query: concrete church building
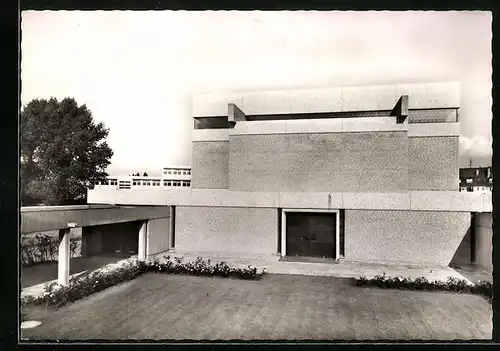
[350,174]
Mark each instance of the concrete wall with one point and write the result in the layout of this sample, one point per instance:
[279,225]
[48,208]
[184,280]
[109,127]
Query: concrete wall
[404,236]
[334,162]
[91,241]
[158,235]
[110,237]
[484,241]
[433,163]
[463,254]
[210,165]
[251,231]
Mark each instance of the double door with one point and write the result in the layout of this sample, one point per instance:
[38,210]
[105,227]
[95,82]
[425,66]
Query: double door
[310,234]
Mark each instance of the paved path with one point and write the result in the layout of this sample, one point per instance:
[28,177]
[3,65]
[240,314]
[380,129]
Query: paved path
[34,278]
[273,266]
[342,270]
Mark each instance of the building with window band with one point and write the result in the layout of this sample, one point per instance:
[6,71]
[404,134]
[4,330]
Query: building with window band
[179,177]
[476,179]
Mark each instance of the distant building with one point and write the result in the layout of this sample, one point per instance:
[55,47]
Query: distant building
[171,177]
[476,179]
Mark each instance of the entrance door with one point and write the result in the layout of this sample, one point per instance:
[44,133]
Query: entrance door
[310,234]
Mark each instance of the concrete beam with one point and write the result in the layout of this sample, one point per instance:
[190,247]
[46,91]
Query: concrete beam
[401,109]
[320,125]
[409,200]
[44,218]
[234,115]
[210,135]
[433,130]
[63,260]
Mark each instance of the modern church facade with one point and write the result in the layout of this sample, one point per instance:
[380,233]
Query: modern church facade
[349,174]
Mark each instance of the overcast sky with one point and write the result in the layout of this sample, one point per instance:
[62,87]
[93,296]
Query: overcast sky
[137,71]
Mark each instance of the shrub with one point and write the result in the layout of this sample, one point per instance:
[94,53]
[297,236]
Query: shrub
[87,284]
[82,286]
[42,248]
[201,267]
[452,284]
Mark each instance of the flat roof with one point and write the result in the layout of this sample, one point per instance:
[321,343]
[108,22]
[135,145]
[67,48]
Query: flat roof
[338,99]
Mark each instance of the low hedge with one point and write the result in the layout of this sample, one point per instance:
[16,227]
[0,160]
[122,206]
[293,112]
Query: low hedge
[483,288]
[202,267]
[98,280]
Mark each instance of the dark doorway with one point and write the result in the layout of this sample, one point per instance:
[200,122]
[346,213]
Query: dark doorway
[310,234]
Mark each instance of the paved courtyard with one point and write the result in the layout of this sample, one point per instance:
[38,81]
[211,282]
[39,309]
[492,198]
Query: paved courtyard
[162,306]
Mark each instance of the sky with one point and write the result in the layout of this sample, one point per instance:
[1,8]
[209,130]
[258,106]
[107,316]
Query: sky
[137,71]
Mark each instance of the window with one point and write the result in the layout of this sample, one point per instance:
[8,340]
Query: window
[146,183]
[188,172]
[156,182]
[136,182]
[124,185]
[113,182]
[96,183]
[169,172]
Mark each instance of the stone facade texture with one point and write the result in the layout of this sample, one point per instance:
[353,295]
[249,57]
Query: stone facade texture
[333,162]
[404,236]
[226,229]
[433,163]
[210,165]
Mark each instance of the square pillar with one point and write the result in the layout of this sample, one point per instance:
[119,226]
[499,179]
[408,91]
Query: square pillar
[63,257]
[171,228]
[143,236]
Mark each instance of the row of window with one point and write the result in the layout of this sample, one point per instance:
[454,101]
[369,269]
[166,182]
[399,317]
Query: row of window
[137,182]
[177,172]
[475,188]
[470,181]
[107,182]
[177,183]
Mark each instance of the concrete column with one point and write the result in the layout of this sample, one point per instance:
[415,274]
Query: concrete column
[143,234]
[171,228]
[63,257]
